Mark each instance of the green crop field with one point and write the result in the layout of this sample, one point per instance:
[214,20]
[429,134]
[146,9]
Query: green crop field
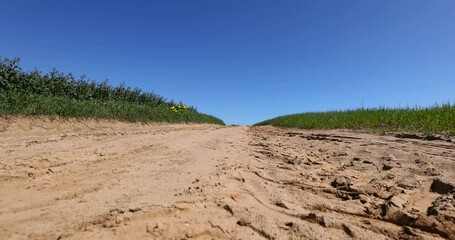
[56,93]
[438,119]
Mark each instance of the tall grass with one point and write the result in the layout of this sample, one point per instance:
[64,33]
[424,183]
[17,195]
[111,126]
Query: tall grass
[56,93]
[438,119]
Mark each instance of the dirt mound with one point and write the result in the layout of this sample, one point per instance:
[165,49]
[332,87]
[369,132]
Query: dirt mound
[73,179]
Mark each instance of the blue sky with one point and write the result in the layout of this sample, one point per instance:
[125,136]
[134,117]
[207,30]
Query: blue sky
[246,61]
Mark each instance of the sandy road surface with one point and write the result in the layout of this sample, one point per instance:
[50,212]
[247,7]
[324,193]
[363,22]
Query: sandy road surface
[99,179]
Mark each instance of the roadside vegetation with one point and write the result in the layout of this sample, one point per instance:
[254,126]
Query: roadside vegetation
[438,119]
[56,93]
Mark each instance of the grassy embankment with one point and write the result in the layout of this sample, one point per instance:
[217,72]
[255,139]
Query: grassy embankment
[439,119]
[56,93]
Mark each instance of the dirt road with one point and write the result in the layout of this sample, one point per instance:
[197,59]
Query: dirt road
[68,179]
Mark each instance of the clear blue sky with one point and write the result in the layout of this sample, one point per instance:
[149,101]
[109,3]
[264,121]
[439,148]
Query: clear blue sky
[245,61]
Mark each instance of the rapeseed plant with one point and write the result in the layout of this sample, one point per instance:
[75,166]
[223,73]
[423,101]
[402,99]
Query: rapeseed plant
[180,108]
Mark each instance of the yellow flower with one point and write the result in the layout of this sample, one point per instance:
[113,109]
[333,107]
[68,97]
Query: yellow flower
[180,108]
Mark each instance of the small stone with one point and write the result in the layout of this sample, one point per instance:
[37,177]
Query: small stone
[326,222]
[340,182]
[409,231]
[281,204]
[229,209]
[242,222]
[441,187]
[398,216]
[289,224]
[134,209]
[433,210]
[310,216]
[386,167]
[348,230]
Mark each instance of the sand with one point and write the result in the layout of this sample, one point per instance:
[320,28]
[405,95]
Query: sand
[88,179]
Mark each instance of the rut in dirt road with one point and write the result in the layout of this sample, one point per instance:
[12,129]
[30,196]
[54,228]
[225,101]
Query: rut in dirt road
[71,179]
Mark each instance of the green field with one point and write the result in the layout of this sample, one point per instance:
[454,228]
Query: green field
[56,93]
[438,119]
[59,94]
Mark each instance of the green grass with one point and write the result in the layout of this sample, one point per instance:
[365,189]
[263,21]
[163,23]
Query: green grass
[439,119]
[55,93]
